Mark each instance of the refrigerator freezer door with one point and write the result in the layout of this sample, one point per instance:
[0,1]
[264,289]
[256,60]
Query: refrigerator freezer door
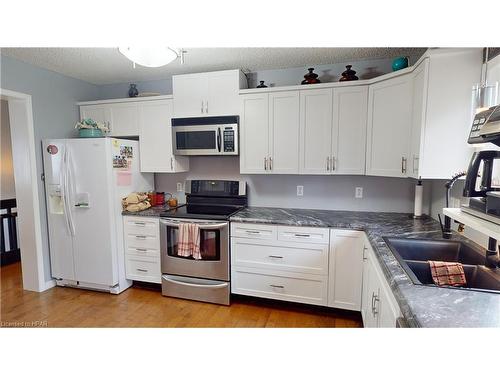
[61,245]
[94,241]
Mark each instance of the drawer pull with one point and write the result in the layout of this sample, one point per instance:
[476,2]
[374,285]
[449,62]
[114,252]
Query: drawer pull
[302,235]
[141,270]
[252,231]
[141,237]
[143,250]
[142,224]
[276,286]
[275,256]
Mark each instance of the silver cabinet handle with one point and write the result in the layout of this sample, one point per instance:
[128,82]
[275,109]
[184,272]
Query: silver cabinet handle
[302,235]
[252,231]
[202,106]
[275,256]
[140,223]
[171,163]
[364,253]
[415,159]
[141,270]
[375,299]
[265,164]
[332,165]
[327,163]
[140,237]
[206,107]
[143,250]
[403,165]
[276,286]
[270,163]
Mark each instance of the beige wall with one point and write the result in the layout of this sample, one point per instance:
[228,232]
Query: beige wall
[7,189]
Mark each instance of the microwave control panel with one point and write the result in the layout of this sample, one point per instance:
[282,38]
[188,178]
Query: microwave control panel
[480,135]
[229,140]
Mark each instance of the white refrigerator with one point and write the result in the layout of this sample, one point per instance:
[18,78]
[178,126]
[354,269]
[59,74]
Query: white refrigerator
[85,180]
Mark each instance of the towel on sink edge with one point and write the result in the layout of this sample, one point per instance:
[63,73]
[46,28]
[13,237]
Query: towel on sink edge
[447,273]
[189,240]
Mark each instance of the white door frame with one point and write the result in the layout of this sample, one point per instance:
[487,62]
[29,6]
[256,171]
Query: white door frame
[27,197]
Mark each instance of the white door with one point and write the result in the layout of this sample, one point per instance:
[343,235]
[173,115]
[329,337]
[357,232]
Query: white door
[124,119]
[254,137]
[345,269]
[190,95]
[388,313]
[371,317]
[284,122]
[420,76]
[156,136]
[350,105]
[223,90]
[389,122]
[94,246]
[315,131]
[98,113]
[61,240]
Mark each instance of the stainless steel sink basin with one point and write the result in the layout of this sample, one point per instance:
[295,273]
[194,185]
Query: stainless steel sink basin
[413,255]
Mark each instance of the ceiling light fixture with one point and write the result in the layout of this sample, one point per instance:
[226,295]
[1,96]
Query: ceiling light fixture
[152,57]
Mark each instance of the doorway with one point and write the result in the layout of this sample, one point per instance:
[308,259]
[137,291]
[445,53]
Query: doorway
[26,190]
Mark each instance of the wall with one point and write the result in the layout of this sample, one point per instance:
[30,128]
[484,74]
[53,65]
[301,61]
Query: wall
[320,192]
[7,188]
[54,98]
[276,77]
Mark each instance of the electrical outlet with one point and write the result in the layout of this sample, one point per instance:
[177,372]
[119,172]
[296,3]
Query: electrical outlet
[300,190]
[180,186]
[358,192]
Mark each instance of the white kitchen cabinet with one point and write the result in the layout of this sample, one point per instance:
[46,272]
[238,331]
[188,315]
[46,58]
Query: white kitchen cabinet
[379,307]
[270,133]
[207,94]
[96,112]
[155,137]
[142,248]
[254,131]
[316,116]
[389,124]
[284,132]
[345,269]
[121,118]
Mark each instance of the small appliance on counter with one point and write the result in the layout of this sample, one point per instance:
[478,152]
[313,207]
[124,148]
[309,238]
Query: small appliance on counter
[209,204]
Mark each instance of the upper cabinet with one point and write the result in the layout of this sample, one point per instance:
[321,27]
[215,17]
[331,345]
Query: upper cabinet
[121,118]
[389,123]
[207,94]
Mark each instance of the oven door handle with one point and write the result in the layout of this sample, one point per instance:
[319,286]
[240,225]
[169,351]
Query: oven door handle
[201,226]
[207,286]
[219,139]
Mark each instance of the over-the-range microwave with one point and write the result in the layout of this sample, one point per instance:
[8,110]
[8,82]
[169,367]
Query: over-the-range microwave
[205,135]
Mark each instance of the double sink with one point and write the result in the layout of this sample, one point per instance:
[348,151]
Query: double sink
[413,254]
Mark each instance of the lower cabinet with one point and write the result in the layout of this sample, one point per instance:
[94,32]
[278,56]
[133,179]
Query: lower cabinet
[379,307]
[142,248]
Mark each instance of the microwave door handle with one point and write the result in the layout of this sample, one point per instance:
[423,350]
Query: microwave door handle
[218,139]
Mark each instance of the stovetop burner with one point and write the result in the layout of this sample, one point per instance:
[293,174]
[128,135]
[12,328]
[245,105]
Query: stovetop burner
[202,211]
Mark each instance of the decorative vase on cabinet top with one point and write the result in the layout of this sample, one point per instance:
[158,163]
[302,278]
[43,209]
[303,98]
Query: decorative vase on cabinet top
[348,74]
[400,63]
[310,78]
[132,91]
[261,85]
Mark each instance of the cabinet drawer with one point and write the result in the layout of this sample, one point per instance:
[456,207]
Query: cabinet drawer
[142,226]
[294,288]
[268,232]
[142,252]
[143,269]
[304,234]
[292,257]
[143,241]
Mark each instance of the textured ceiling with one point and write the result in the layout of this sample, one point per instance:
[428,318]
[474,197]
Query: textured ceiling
[107,65]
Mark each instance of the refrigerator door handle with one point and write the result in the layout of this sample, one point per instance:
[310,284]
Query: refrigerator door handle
[68,183]
[62,181]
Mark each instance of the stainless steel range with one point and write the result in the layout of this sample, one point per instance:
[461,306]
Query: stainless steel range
[209,204]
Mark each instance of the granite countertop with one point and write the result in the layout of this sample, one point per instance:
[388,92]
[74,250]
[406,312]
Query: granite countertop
[154,211]
[422,306]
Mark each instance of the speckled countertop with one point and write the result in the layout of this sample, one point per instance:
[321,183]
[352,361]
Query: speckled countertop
[422,306]
[151,211]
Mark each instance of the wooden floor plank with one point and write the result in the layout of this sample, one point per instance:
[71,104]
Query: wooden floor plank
[141,307]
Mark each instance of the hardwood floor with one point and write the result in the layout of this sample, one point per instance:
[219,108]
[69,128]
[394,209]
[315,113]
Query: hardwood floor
[141,307]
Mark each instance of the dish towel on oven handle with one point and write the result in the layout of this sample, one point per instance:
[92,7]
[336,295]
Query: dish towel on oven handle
[447,273]
[189,240]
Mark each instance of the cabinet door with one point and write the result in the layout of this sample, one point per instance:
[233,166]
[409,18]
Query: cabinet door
[371,317]
[350,106]
[124,119]
[315,131]
[156,138]
[388,313]
[284,132]
[345,269]
[254,138]
[190,94]
[223,89]
[420,76]
[99,113]
[389,122]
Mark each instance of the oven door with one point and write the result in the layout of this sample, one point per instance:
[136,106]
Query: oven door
[197,140]
[214,249]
